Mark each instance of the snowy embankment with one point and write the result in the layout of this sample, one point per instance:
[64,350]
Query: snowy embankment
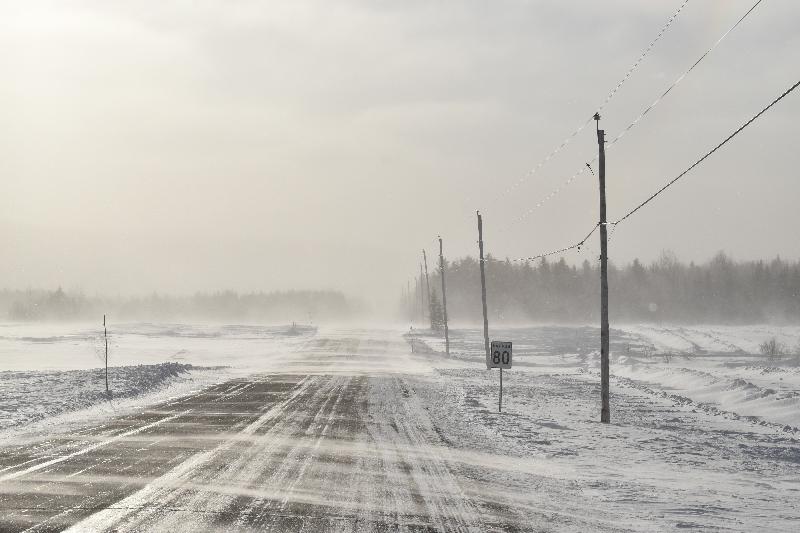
[49,372]
[716,368]
[719,369]
[31,396]
[701,438]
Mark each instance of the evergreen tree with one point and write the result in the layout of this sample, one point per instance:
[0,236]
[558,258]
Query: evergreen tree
[720,290]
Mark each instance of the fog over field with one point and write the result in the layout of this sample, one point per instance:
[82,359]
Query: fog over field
[151,146]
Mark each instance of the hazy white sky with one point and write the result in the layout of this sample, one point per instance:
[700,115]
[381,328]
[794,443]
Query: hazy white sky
[180,146]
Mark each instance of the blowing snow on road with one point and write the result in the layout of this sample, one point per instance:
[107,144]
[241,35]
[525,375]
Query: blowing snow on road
[352,431]
[373,266]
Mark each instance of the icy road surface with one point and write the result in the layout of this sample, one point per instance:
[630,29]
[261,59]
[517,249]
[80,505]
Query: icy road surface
[352,432]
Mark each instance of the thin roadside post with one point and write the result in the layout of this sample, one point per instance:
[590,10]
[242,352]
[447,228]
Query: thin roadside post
[500,399]
[105,337]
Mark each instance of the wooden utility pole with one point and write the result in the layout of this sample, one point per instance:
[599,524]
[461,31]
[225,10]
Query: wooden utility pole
[421,298]
[605,410]
[409,304]
[105,336]
[483,287]
[427,285]
[444,300]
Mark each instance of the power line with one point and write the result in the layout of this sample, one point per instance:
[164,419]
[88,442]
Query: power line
[717,147]
[636,64]
[555,192]
[682,76]
[605,102]
[580,243]
[639,118]
[561,250]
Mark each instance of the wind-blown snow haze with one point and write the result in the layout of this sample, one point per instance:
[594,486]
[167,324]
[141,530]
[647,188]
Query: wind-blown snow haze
[177,147]
[415,266]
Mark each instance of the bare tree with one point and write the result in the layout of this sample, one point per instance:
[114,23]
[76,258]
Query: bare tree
[773,349]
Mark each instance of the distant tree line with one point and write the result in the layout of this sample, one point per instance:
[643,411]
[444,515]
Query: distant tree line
[718,291]
[301,306]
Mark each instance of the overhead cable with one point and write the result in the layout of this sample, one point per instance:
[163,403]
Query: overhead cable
[650,198]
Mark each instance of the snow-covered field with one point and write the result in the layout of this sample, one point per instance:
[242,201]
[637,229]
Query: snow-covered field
[51,373]
[57,346]
[719,369]
[705,430]
[31,396]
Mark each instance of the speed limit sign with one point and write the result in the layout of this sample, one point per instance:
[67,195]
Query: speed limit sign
[500,355]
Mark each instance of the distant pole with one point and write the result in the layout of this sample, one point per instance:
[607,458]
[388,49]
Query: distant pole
[427,284]
[105,336]
[409,304]
[605,410]
[483,287]
[444,300]
[403,301]
[421,297]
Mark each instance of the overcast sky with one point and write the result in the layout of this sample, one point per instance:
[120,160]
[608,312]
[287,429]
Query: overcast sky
[258,145]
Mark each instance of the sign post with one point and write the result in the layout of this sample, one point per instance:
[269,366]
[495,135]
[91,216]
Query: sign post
[500,356]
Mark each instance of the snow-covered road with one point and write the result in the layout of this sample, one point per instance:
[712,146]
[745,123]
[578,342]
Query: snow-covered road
[331,442]
[350,431]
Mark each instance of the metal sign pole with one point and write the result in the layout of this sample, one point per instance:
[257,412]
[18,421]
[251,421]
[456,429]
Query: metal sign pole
[500,402]
[501,354]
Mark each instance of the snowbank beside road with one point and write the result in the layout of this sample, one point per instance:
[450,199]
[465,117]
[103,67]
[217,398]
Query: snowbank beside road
[713,339]
[716,368]
[702,438]
[50,371]
[31,396]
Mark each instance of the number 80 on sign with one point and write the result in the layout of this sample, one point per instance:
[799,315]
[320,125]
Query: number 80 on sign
[499,355]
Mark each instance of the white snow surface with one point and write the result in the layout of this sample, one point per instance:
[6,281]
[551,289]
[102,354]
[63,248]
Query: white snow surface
[58,346]
[30,396]
[705,432]
[50,373]
[716,368]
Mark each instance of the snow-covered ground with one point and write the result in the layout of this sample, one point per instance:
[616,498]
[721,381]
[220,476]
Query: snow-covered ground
[350,430]
[58,346]
[715,368]
[705,430]
[51,372]
[29,396]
